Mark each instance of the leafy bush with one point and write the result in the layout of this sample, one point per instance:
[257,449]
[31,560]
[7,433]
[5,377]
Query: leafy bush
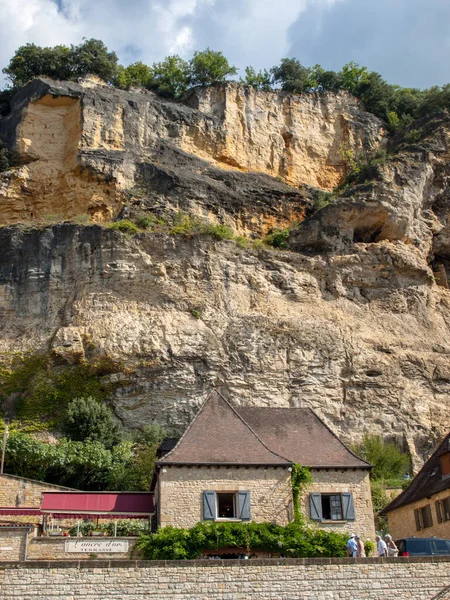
[209,67]
[88,419]
[278,238]
[135,75]
[62,62]
[322,199]
[170,77]
[389,461]
[260,80]
[170,543]
[86,465]
[217,231]
[124,226]
[43,392]
[196,313]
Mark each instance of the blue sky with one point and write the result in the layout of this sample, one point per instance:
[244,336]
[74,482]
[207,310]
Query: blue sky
[407,41]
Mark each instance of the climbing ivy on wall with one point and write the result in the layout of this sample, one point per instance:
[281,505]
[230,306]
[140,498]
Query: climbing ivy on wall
[300,478]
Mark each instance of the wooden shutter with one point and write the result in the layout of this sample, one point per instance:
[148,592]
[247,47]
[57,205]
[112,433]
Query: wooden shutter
[427,517]
[437,506]
[209,506]
[315,506]
[417,518]
[244,506]
[348,507]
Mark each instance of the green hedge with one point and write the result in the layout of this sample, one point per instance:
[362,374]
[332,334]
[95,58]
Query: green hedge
[171,543]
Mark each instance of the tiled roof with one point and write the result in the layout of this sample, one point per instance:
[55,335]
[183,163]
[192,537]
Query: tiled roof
[219,435]
[223,434]
[301,436]
[428,480]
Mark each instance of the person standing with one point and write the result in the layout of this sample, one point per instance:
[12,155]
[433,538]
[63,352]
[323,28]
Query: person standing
[352,546]
[381,546]
[392,549]
[360,550]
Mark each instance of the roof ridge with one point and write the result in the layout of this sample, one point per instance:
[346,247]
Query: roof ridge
[254,432]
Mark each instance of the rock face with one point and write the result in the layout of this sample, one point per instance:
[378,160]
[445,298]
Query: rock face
[90,149]
[349,322]
[363,337]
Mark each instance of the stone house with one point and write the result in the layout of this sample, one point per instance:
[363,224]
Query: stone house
[423,509]
[234,464]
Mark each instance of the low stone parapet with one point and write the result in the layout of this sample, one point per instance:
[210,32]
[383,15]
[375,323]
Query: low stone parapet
[268,579]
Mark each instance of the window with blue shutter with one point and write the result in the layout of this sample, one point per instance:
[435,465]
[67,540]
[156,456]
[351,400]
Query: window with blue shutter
[244,506]
[348,508]
[315,506]
[209,506]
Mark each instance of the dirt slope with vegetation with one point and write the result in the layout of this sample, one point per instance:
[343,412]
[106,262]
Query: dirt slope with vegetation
[290,249]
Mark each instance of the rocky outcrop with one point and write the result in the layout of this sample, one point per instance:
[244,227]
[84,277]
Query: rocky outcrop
[89,149]
[298,138]
[361,337]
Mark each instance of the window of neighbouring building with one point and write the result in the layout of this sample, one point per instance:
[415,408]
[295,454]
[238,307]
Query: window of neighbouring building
[446,509]
[331,507]
[423,517]
[226,505]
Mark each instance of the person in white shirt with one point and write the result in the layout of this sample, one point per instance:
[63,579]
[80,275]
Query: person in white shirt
[381,544]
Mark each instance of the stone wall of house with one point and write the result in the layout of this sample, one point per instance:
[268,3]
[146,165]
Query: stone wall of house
[180,494]
[299,579]
[180,497]
[54,548]
[21,492]
[402,523]
[358,483]
[13,542]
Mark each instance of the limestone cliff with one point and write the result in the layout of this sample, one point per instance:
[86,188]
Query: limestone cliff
[90,149]
[351,321]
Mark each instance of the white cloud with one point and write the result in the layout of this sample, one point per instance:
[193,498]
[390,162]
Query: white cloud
[248,31]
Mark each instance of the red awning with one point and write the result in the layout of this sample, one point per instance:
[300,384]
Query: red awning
[126,505]
[19,512]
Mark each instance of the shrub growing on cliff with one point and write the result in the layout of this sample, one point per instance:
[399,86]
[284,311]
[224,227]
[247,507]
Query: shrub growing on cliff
[124,226]
[89,419]
[170,543]
[260,80]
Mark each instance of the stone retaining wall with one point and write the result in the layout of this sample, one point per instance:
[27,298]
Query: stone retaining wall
[275,579]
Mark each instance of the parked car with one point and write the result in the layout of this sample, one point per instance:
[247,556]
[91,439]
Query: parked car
[423,546]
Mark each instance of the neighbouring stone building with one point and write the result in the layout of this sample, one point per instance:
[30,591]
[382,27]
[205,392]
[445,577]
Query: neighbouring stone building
[20,498]
[423,509]
[235,464]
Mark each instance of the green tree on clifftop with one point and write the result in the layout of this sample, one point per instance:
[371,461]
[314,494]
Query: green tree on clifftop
[209,67]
